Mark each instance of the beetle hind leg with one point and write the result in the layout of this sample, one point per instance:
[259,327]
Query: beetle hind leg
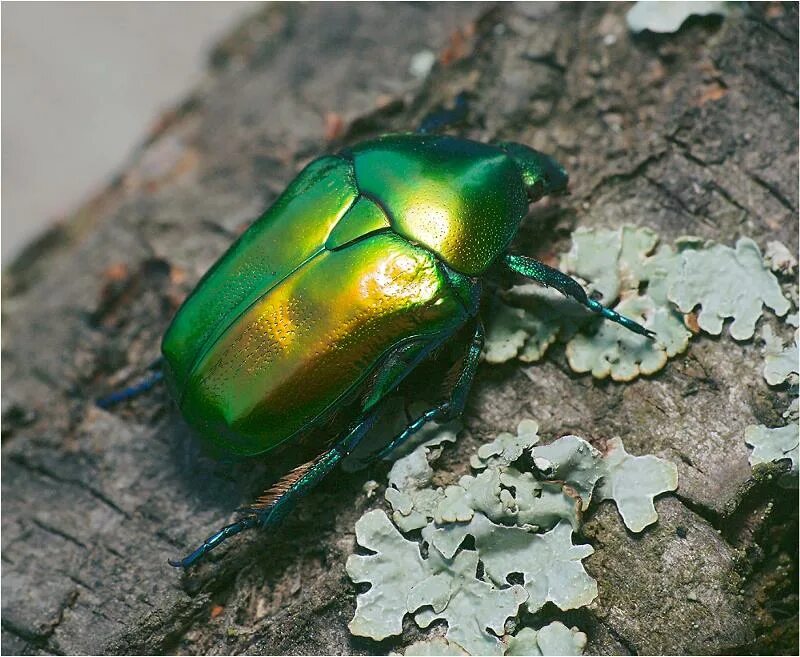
[278,500]
[568,286]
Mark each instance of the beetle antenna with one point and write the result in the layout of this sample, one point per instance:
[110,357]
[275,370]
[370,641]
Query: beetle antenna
[118,396]
[568,286]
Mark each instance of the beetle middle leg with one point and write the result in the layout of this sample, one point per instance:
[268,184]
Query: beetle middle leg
[276,502]
[568,286]
[454,405]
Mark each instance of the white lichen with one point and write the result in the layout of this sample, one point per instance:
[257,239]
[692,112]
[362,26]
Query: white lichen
[633,482]
[513,521]
[780,362]
[775,445]
[553,639]
[726,283]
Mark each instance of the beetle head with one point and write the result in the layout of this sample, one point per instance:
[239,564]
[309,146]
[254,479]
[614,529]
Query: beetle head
[541,173]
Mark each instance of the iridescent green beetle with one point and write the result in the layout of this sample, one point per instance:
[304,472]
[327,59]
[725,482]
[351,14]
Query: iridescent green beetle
[368,263]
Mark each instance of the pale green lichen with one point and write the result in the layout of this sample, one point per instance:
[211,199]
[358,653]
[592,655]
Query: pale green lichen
[482,493]
[520,524]
[776,444]
[393,570]
[553,639]
[403,582]
[504,494]
[633,482]
[574,461]
[506,448]
[469,606]
[726,283]
[623,260]
[540,505]
[527,321]
[612,260]
[413,502]
[615,351]
[594,257]
[780,363]
[549,563]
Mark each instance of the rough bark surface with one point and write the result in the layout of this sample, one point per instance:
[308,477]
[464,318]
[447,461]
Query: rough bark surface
[688,133]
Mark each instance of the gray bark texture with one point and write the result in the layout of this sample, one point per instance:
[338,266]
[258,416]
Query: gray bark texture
[688,133]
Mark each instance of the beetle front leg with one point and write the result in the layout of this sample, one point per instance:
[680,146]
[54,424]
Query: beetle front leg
[276,502]
[454,406]
[568,286]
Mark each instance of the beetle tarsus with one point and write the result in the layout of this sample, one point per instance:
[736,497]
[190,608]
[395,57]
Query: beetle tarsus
[568,286]
[614,316]
[213,541]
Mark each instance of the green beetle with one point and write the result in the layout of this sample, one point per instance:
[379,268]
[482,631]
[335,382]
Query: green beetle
[368,263]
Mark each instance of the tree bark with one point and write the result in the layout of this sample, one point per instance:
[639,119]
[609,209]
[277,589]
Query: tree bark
[688,133]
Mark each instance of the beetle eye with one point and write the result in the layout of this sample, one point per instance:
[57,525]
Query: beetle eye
[536,191]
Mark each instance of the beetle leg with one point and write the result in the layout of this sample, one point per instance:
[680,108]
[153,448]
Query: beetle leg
[113,398]
[278,500]
[215,539]
[441,118]
[453,407]
[568,286]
